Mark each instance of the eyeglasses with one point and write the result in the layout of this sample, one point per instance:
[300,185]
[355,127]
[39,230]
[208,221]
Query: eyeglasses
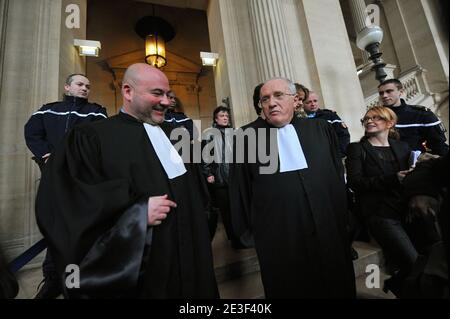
[374,118]
[278,96]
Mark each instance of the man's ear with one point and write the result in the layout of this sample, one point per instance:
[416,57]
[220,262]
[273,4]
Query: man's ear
[66,87]
[127,91]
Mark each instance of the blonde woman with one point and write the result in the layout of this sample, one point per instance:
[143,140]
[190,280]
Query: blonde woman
[376,167]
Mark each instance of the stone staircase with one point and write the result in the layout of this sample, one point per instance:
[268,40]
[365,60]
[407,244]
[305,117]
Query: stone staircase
[237,272]
[238,276]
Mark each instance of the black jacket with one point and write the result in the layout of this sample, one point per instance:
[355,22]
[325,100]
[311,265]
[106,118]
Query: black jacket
[219,168]
[46,127]
[368,178]
[417,125]
[339,127]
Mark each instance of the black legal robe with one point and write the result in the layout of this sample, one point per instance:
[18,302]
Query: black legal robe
[298,219]
[91,207]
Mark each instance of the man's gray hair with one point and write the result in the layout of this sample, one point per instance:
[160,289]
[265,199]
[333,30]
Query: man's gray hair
[291,85]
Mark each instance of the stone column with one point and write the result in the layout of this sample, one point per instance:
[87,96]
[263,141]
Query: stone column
[269,36]
[420,42]
[359,16]
[30,65]
[34,48]
[335,77]
[229,34]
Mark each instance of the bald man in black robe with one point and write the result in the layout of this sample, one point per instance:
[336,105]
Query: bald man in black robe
[297,213]
[114,203]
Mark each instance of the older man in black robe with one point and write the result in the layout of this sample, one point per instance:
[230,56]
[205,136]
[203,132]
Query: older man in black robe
[297,213]
[118,204]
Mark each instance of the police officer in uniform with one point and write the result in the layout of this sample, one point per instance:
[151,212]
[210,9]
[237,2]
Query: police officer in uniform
[418,126]
[313,110]
[44,131]
[47,126]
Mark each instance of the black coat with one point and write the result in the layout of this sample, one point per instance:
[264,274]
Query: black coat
[298,218]
[87,208]
[367,176]
[219,168]
[338,125]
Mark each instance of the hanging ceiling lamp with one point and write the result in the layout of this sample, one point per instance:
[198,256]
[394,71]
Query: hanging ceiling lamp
[156,32]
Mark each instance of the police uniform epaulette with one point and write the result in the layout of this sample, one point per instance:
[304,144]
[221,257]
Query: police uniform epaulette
[420,108]
[327,110]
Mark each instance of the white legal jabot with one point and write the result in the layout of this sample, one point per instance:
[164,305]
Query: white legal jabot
[290,151]
[170,159]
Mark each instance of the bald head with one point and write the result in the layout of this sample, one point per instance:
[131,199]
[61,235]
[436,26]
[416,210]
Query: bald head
[144,91]
[138,72]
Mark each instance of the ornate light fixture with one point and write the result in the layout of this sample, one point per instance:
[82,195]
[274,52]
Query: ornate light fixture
[369,39]
[156,32]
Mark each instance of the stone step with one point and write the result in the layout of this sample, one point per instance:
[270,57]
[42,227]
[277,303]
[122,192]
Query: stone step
[369,253]
[248,286]
[237,271]
[230,263]
[238,276]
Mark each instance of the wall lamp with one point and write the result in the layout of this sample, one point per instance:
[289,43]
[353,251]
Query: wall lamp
[88,47]
[209,59]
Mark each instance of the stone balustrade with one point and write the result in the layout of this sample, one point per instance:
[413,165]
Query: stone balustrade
[415,88]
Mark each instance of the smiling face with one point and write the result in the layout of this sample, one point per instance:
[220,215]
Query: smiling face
[376,123]
[145,94]
[278,102]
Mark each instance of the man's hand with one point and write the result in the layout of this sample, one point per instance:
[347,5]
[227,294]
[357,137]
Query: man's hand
[158,208]
[210,179]
[45,157]
[421,205]
[401,175]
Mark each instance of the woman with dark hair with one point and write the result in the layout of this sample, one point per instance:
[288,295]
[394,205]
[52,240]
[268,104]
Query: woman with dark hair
[376,167]
[217,172]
